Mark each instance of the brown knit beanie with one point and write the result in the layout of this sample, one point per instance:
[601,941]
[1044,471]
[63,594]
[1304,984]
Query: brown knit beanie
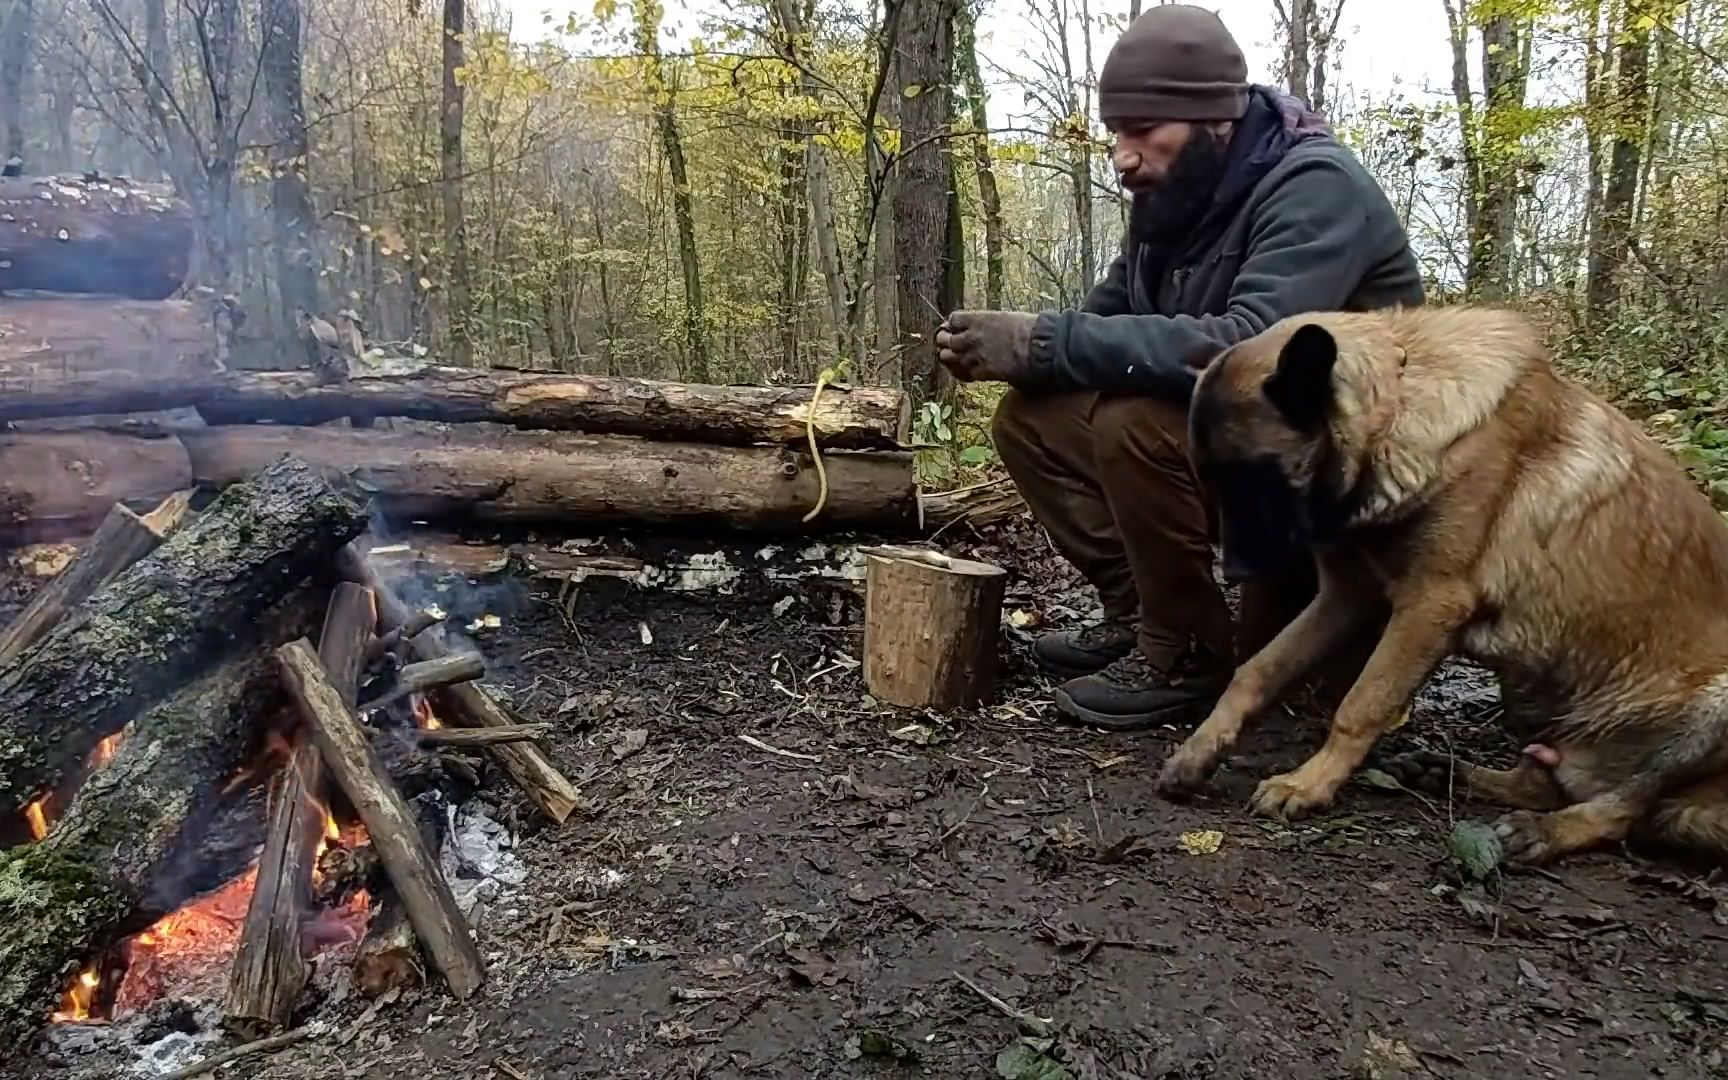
[1175,62]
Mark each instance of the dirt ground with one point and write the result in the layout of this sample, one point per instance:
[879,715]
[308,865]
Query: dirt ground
[996,894]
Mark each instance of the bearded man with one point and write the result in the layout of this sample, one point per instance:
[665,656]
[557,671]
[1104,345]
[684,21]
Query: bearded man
[1245,210]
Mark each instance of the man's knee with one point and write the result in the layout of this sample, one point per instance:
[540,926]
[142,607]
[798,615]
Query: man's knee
[1140,428]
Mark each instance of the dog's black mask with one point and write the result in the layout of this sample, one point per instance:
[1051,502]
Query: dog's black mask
[1264,519]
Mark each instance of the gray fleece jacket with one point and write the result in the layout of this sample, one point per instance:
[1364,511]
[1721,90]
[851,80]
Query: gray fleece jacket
[1298,225]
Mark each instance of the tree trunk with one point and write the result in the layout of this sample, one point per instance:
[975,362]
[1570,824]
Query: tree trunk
[989,199]
[81,357]
[857,418]
[1298,20]
[16,47]
[1469,139]
[59,484]
[552,479]
[1499,154]
[69,896]
[290,195]
[70,235]
[1613,237]
[168,618]
[451,181]
[923,185]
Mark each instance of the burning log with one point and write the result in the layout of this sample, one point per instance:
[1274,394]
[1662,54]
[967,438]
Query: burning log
[269,967]
[433,674]
[166,619]
[84,357]
[854,418]
[931,625]
[65,898]
[389,955]
[79,235]
[469,704]
[565,479]
[426,896]
[57,485]
[122,539]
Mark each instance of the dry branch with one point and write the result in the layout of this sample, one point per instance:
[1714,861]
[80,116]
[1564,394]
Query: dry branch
[459,737]
[569,479]
[172,615]
[395,835]
[72,235]
[122,539]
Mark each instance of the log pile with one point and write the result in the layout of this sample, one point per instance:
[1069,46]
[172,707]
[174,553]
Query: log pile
[184,641]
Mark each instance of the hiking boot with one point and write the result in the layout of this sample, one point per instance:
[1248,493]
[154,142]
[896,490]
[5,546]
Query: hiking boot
[1082,652]
[1132,693]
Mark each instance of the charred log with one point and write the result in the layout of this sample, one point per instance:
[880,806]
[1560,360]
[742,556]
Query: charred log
[168,618]
[108,236]
[570,479]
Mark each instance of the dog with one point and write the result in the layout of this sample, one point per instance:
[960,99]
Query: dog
[1448,482]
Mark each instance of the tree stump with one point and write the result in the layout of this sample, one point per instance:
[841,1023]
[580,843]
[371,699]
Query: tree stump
[931,624]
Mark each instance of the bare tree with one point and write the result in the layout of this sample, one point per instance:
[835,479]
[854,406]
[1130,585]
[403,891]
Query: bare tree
[290,195]
[1611,237]
[989,199]
[17,44]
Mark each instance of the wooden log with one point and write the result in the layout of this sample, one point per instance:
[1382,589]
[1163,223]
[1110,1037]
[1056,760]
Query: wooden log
[82,357]
[108,236]
[66,898]
[978,505]
[58,485]
[468,704]
[270,967]
[460,737]
[433,674]
[389,956]
[172,615]
[121,540]
[931,624]
[569,479]
[413,870]
[855,418]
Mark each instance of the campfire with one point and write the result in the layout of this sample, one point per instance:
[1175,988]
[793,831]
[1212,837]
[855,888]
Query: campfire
[219,812]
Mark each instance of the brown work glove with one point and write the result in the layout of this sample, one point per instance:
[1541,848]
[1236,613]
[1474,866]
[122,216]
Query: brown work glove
[988,346]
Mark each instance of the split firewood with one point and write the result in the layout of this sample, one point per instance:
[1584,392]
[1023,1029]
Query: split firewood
[270,968]
[427,675]
[121,540]
[395,639]
[171,616]
[461,737]
[389,956]
[931,628]
[468,704]
[413,871]
[105,857]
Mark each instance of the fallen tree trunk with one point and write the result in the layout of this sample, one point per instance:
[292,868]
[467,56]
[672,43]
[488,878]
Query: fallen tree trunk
[87,357]
[468,704]
[395,834]
[270,966]
[109,236]
[121,540]
[64,899]
[166,619]
[567,479]
[854,418]
[56,485]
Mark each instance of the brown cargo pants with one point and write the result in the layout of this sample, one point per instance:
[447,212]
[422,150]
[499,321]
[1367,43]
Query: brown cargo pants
[1110,480]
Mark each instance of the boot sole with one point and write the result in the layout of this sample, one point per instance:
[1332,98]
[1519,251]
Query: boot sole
[1170,714]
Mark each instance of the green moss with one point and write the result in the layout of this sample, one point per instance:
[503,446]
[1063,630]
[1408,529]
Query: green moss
[55,909]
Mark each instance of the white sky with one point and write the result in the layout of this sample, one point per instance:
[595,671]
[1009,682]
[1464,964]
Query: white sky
[1388,45]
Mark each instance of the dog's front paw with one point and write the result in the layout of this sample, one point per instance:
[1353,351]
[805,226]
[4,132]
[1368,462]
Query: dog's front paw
[1423,770]
[1184,772]
[1527,837]
[1291,796]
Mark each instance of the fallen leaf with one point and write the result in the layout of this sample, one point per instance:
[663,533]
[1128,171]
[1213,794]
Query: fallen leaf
[1374,778]
[874,1043]
[1386,1059]
[1202,842]
[1029,1059]
[1476,847]
[917,734]
[629,743]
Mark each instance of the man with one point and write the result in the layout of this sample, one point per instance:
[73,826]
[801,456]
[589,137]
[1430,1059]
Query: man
[1245,210]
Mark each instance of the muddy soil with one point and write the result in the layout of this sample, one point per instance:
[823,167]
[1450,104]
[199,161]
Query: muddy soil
[862,892]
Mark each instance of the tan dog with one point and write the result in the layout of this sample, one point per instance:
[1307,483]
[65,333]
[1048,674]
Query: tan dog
[1451,484]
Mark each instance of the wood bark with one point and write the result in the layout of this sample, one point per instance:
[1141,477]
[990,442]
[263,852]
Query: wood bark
[67,357]
[91,879]
[1499,155]
[1612,237]
[852,418]
[468,737]
[17,45]
[978,506]
[270,967]
[924,180]
[56,485]
[469,704]
[989,199]
[111,237]
[566,479]
[395,835]
[169,617]
[450,187]
[290,195]
[389,956]
[931,625]
[121,540]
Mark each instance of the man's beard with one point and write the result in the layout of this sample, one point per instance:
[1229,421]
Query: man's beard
[1162,215]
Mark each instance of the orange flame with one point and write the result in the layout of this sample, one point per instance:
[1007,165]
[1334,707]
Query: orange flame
[36,815]
[423,714]
[104,752]
[80,994]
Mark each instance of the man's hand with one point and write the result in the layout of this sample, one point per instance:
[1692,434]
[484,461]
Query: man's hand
[987,346]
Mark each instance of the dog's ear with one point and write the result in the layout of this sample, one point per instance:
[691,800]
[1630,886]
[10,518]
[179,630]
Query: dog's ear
[1301,387]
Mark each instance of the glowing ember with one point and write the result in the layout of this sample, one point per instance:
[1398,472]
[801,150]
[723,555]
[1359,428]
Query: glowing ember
[423,714]
[104,752]
[36,815]
[186,949]
[75,1003]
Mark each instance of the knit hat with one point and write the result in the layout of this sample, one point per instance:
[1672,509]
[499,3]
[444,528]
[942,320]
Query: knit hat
[1175,62]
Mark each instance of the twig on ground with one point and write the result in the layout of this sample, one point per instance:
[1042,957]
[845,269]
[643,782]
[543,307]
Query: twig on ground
[262,1046]
[1029,1022]
[791,755]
